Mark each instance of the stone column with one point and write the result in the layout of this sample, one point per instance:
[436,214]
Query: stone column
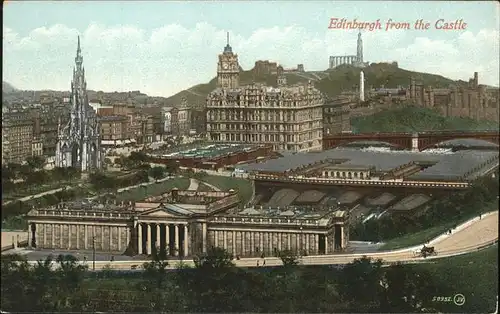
[85,235]
[326,243]
[176,240]
[29,235]
[234,242]
[261,242]
[61,236]
[127,237]
[316,243]
[341,236]
[204,234]
[139,239]
[216,238]
[279,237]
[78,236]
[224,234]
[243,244]
[308,244]
[102,237]
[289,241]
[167,238]
[119,231]
[148,244]
[186,240]
[44,235]
[252,243]
[158,240]
[297,242]
[69,235]
[111,238]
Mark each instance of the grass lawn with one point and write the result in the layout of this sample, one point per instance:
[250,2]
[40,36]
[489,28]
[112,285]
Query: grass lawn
[475,275]
[416,238]
[430,233]
[243,186]
[155,189]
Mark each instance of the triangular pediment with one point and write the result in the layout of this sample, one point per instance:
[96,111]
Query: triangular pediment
[158,212]
[161,212]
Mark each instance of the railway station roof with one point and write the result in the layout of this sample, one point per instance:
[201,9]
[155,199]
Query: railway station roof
[442,165]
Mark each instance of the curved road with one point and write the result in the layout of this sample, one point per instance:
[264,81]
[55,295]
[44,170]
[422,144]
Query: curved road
[466,238]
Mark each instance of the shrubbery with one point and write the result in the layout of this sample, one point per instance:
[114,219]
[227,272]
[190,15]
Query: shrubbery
[214,285]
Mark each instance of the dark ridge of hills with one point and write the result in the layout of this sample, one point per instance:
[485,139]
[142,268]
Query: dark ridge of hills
[8,88]
[331,82]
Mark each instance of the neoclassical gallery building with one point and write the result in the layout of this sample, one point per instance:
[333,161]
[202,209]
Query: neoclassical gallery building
[186,223]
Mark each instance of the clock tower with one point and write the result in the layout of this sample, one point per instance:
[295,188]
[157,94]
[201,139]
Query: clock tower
[228,68]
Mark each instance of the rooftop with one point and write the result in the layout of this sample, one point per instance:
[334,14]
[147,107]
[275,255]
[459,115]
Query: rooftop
[209,151]
[323,216]
[445,165]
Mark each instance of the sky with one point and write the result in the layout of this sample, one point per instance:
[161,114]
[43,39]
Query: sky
[161,48]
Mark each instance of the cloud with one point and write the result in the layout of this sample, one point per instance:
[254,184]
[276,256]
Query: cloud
[172,58]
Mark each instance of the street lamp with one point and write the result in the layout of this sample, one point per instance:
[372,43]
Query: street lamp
[93,253]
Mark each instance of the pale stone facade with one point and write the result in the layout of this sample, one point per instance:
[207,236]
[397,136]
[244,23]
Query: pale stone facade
[289,118]
[186,229]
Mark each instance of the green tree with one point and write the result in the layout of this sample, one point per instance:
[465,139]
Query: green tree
[360,284]
[289,258]
[35,162]
[215,258]
[406,289]
[157,172]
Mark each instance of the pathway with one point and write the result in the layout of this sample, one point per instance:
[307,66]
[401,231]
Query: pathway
[211,186]
[35,196]
[193,184]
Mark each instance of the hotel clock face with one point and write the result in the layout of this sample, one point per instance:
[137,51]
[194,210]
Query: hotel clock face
[225,66]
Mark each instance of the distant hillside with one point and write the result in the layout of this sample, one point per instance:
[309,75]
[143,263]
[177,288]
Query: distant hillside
[7,88]
[415,119]
[331,82]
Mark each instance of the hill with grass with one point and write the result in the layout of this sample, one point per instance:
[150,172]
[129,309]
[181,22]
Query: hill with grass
[416,119]
[331,82]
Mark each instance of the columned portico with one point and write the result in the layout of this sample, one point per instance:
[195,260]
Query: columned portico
[171,238]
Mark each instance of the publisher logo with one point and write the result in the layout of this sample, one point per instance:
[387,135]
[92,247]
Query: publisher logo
[459,299]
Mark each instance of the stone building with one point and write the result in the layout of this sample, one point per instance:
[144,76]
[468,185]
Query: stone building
[45,125]
[474,100]
[115,131]
[185,223]
[17,137]
[198,120]
[337,114]
[289,118]
[265,67]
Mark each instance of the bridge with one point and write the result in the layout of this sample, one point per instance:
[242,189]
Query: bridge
[414,141]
